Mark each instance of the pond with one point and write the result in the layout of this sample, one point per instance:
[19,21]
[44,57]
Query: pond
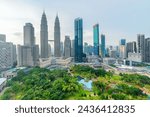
[87,84]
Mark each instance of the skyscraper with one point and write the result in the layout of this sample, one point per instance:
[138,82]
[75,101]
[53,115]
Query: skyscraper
[140,42]
[44,37]
[61,48]
[57,38]
[123,42]
[7,53]
[122,49]
[67,47]
[72,48]
[131,47]
[96,39]
[147,50]
[141,45]
[103,51]
[25,56]
[28,54]
[78,28]
[85,48]
[29,39]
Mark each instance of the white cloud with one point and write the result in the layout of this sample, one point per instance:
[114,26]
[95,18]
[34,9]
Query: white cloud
[112,15]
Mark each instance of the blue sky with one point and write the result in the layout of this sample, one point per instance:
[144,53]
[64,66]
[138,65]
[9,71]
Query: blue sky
[117,18]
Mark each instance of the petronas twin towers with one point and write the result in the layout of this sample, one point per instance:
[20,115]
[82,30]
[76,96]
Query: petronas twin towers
[57,38]
[44,37]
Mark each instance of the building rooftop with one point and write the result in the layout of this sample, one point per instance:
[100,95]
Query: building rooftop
[2,80]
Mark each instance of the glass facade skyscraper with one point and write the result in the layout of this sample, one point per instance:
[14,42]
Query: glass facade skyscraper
[78,28]
[123,42]
[122,49]
[44,37]
[96,39]
[103,52]
[57,46]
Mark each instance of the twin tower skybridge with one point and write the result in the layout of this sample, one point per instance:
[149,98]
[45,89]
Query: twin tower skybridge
[51,40]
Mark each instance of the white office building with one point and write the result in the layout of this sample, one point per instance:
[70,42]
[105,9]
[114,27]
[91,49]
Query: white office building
[135,57]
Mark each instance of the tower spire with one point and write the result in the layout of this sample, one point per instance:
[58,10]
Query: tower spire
[43,11]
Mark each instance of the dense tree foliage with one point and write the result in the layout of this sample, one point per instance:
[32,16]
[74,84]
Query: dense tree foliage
[44,84]
[136,79]
[88,72]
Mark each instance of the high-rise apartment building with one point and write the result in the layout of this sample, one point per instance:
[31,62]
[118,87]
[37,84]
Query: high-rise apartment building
[78,28]
[57,38]
[7,53]
[96,39]
[141,45]
[147,50]
[142,53]
[44,37]
[67,47]
[131,47]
